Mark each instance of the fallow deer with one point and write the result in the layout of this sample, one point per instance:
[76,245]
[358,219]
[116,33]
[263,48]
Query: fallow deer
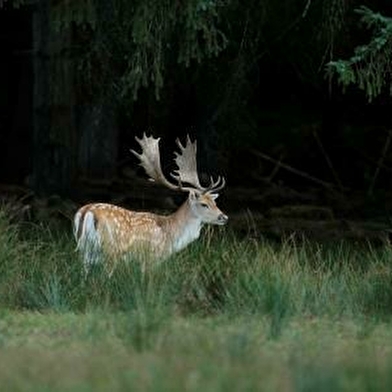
[108,232]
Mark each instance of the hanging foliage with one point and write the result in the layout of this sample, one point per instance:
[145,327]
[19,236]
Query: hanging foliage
[12,3]
[127,45]
[332,22]
[370,68]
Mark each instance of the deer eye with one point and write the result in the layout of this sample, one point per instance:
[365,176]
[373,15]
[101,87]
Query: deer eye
[204,205]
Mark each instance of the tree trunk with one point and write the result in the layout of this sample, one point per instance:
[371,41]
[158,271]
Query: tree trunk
[98,141]
[54,131]
[98,131]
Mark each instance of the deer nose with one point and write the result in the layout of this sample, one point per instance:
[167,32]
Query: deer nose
[222,219]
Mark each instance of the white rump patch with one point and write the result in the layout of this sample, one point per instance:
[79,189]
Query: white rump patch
[88,239]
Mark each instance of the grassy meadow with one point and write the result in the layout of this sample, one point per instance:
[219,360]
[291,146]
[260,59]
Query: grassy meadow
[226,314]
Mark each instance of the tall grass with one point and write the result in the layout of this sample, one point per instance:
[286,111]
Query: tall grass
[220,274]
[224,314]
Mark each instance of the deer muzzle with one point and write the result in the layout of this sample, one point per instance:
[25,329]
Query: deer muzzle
[222,219]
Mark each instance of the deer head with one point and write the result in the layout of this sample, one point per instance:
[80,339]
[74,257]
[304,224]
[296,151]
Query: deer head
[201,199]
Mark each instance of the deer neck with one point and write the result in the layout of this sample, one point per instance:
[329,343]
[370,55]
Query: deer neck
[185,227]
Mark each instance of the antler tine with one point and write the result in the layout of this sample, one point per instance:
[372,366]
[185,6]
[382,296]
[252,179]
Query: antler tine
[216,185]
[150,160]
[187,165]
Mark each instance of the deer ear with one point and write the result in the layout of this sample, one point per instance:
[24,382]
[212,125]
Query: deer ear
[193,195]
[214,196]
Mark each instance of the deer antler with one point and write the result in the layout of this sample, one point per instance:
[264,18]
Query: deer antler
[216,186]
[187,168]
[150,160]
[186,163]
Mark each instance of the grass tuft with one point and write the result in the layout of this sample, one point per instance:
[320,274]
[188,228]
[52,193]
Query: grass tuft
[224,314]
[219,274]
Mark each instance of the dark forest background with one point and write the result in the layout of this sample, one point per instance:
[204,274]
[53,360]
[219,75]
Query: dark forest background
[290,101]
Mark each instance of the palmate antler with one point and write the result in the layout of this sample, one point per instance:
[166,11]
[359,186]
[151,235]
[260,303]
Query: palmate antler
[150,160]
[187,168]
[186,163]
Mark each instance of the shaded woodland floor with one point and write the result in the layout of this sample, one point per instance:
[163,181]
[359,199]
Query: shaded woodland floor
[270,211]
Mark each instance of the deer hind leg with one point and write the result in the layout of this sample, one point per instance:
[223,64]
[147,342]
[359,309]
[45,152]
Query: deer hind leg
[88,240]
